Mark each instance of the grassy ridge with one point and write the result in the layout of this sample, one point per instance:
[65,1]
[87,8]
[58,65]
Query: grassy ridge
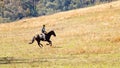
[86,38]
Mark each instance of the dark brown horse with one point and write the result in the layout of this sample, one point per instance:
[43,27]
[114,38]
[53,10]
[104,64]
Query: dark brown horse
[39,38]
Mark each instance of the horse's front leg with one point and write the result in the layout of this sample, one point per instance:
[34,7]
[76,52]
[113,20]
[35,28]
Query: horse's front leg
[50,43]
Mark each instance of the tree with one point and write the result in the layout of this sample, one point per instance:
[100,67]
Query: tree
[2,7]
[18,9]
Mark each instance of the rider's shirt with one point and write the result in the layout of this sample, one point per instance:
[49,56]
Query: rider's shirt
[43,30]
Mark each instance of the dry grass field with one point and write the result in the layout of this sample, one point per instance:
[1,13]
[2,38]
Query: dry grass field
[86,38]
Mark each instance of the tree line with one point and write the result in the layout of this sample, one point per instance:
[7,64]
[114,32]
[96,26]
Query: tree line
[11,10]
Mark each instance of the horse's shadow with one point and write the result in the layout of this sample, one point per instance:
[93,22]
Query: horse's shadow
[11,60]
[56,47]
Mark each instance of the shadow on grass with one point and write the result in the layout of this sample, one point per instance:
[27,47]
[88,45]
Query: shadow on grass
[10,60]
[56,47]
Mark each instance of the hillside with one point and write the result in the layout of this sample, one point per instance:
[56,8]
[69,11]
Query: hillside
[86,38]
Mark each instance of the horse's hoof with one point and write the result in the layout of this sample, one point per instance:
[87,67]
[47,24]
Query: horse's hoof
[30,43]
[47,44]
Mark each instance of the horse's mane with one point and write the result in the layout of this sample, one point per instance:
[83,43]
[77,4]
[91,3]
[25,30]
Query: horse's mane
[51,31]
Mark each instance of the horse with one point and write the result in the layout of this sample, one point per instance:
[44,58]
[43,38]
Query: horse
[39,38]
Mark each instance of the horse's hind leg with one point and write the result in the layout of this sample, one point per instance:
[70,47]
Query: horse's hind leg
[32,40]
[39,44]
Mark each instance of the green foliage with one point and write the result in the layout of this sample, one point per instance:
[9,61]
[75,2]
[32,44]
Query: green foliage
[18,9]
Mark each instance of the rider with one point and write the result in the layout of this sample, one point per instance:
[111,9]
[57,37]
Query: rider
[43,32]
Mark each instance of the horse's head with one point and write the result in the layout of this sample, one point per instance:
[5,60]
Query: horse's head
[53,33]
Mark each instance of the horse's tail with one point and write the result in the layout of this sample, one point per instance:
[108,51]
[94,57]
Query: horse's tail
[32,40]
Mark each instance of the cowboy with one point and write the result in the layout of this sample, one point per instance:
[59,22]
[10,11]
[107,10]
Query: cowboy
[43,32]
